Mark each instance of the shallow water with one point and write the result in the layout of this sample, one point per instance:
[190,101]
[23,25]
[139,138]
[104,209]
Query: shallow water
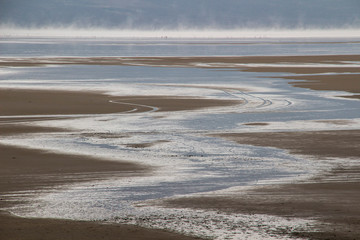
[189,161]
[35,47]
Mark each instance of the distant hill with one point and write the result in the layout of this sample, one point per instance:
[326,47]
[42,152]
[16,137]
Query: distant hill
[182,13]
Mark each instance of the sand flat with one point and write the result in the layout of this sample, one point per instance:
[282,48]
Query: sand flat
[175,61]
[336,143]
[31,170]
[49,102]
[12,128]
[331,197]
[16,228]
[24,169]
[333,204]
[316,64]
[334,82]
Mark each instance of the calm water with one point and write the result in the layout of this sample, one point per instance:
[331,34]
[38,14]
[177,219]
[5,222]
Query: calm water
[189,161]
[34,47]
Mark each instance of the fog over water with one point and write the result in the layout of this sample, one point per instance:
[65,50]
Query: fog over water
[184,14]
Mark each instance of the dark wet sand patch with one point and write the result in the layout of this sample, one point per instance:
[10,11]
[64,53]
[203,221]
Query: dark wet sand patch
[15,228]
[47,102]
[176,61]
[24,169]
[17,128]
[345,143]
[145,145]
[333,82]
[256,124]
[336,121]
[333,204]
[351,97]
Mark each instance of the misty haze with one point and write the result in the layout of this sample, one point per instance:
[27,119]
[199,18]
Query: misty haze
[169,14]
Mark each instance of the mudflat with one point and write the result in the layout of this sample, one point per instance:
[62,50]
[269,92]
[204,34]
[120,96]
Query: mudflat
[336,143]
[31,170]
[331,197]
[226,62]
[345,76]
[16,228]
[51,102]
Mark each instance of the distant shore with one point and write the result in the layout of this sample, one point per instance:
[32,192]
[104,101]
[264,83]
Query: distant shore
[344,76]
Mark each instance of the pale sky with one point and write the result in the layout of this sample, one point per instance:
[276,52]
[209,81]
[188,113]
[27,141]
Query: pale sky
[174,14]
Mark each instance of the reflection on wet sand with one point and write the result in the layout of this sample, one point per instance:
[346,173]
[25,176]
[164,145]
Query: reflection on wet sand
[328,196]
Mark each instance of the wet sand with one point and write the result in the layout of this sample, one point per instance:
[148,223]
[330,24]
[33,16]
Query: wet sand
[30,170]
[49,102]
[26,169]
[226,62]
[334,82]
[14,228]
[332,197]
[345,79]
[339,143]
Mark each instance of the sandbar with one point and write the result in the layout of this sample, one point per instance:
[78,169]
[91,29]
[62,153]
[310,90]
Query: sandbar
[345,67]
[333,82]
[16,102]
[336,143]
[228,61]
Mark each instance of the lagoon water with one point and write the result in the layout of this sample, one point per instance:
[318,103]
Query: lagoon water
[187,159]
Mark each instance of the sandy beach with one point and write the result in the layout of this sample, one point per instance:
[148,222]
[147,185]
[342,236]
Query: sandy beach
[331,198]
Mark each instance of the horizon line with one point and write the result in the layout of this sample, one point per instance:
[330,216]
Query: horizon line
[205,33]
